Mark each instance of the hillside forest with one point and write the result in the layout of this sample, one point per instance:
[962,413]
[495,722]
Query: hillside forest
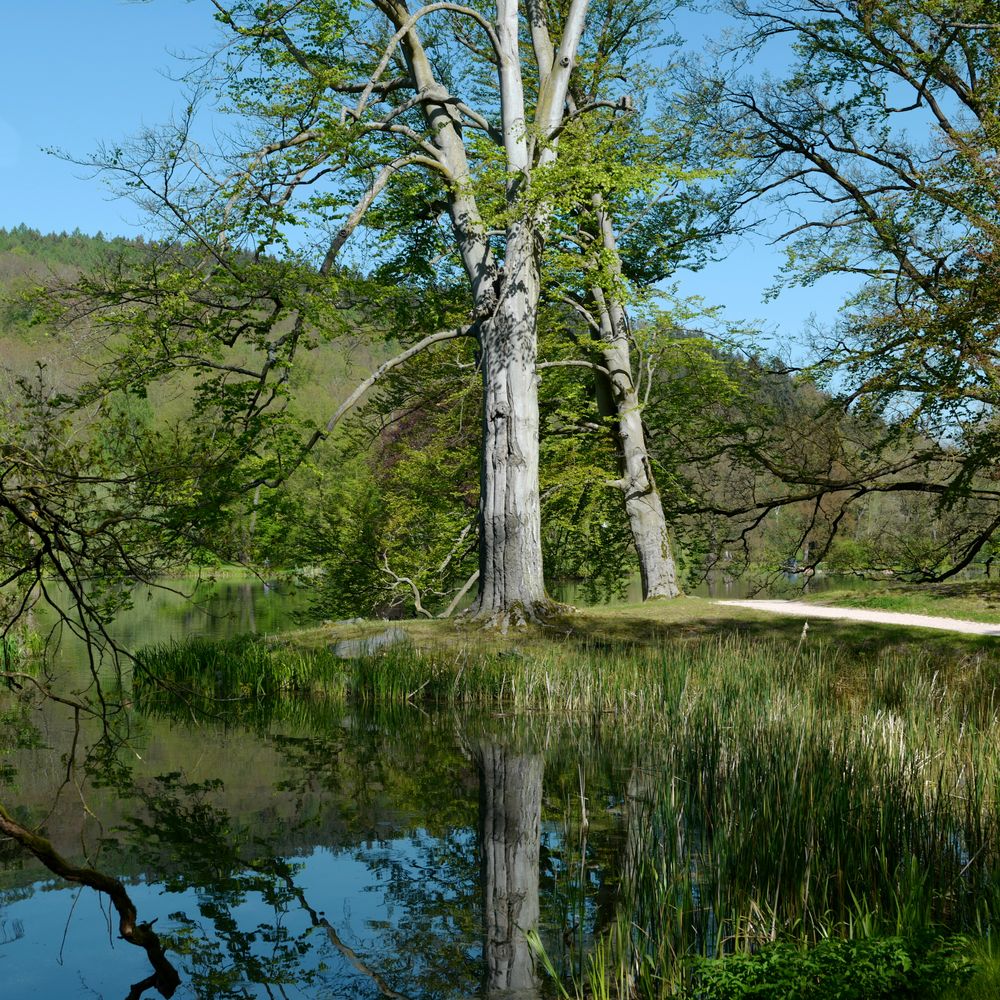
[381,520]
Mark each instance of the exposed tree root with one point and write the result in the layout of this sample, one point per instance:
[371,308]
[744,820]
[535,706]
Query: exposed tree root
[518,615]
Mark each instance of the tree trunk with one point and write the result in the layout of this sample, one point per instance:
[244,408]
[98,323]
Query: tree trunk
[510,814]
[511,584]
[642,499]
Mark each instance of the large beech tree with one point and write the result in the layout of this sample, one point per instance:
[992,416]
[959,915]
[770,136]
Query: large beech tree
[345,110]
[644,212]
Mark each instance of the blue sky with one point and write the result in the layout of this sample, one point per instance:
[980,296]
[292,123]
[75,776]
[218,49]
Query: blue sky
[78,72]
[74,73]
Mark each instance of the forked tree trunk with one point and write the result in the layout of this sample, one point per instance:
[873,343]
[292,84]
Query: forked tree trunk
[510,814]
[511,584]
[511,587]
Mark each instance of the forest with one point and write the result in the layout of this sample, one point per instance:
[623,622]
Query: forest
[403,340]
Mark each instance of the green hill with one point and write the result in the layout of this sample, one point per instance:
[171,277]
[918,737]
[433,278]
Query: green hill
[30,260]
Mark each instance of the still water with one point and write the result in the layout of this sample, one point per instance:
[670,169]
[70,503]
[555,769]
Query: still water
[354,857]
[324,854]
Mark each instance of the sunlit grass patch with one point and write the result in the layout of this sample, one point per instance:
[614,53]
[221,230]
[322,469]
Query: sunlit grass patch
[974,600]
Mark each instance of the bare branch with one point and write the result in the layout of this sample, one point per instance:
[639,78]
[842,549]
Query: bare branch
[165,977]
[397,579]
[387,366]
[573,364]
[456,600]
[405,29]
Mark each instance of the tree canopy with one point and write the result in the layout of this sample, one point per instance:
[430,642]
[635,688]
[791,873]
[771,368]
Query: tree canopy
[875,149]
[456,144]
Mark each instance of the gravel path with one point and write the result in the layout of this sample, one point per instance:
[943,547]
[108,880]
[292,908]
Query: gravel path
[801,609]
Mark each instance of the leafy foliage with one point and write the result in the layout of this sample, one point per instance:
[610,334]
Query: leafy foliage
[878,147]
[861,969]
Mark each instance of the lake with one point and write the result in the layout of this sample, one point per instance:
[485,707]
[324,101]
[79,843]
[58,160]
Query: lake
[329,851]
[326,854]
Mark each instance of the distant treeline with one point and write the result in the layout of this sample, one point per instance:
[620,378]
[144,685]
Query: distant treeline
[29,258]
[74,249]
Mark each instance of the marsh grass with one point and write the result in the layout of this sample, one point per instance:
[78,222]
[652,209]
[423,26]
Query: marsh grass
[808,799]
[984,983]
[776,793]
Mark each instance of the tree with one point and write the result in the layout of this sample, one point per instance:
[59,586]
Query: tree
[81,526]
[164,978]
[510,798]
[346,104]
[643,213]
[878,145]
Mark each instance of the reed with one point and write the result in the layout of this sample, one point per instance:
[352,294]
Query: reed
[779,797]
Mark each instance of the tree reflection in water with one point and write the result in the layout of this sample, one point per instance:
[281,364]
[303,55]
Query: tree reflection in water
[394,855]
[510,817]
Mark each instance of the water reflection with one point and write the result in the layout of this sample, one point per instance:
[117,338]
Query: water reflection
[300,850]
[180,609]
[510,817]
[393,856]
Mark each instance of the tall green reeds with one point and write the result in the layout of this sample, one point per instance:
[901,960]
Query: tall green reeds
[775,794]
[804,800]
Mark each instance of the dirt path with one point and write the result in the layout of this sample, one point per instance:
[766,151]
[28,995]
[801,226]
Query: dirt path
[801,609]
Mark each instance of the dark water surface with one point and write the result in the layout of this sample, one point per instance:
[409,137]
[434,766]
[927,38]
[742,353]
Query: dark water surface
[359,856]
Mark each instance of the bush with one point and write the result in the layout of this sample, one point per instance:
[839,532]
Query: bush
[867,969]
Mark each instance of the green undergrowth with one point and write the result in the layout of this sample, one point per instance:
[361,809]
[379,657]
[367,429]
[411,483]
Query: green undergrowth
[920,967]
[983,982]
[605,677]
[890,968]
[227,670]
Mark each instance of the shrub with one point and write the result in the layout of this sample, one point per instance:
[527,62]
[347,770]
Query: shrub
[834,969]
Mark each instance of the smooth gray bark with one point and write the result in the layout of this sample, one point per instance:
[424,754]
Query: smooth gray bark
[511,584]
[643,507]
[510,815]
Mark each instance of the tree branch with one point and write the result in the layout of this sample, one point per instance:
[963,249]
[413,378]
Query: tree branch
[417,603]
[387,366]
[405,28]
[447,613]
[165,978]
[573,364]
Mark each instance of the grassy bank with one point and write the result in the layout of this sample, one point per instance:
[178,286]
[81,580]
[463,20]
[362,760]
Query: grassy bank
[977,600]
[645,626]
[786,790]
[626,660]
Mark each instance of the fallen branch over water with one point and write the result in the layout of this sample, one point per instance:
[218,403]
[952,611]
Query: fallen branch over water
[165,978]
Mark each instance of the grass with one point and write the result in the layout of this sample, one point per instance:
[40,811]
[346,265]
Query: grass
[606,664]
[885,968]
[645,626]
[976,600]
[984,983]
[785,790]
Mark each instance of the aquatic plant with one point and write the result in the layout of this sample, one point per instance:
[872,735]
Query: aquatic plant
[776,797]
